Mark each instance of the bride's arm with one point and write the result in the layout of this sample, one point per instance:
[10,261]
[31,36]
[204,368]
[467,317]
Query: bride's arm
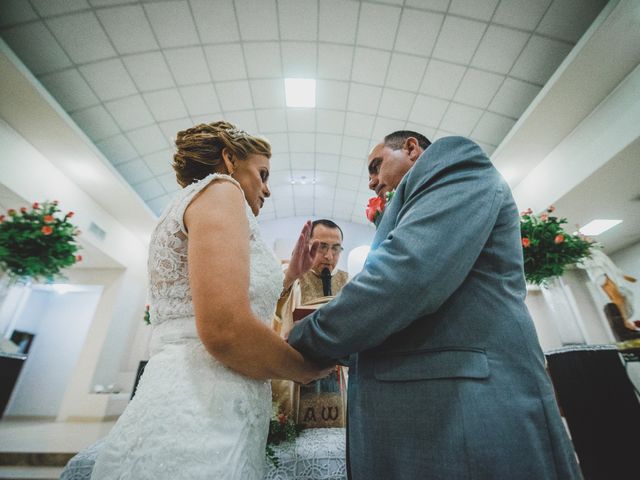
[219,277]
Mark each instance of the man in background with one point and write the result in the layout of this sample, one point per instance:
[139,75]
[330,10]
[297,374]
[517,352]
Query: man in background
[306,287]
[301,288]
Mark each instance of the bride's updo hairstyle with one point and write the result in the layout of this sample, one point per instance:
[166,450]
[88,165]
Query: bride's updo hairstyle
[199,149]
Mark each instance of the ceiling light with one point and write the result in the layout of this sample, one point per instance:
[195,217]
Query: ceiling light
[300,92]
[302,180]
[598,226]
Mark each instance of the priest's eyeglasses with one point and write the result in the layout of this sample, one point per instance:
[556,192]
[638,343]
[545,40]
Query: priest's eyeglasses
[325,247]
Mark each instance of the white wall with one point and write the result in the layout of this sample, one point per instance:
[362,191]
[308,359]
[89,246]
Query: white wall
[113,345]
[282,234]
[60,323]
[542,316]
[113,334]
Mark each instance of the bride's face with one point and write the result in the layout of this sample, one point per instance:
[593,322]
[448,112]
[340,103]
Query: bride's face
[252,174]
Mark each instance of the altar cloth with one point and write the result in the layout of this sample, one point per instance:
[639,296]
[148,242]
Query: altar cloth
[317,454]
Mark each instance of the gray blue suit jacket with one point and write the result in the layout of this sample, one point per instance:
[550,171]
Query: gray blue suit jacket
[447,378]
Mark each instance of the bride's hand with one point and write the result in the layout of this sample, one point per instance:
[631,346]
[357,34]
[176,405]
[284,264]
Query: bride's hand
[302,255]
[317,373]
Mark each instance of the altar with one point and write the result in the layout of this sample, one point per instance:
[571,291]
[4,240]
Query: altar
[317,454]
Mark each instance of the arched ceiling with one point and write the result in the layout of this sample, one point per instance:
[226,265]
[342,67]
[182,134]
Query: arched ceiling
[132,73]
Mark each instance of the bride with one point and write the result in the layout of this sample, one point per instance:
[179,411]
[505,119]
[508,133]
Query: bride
[202,407]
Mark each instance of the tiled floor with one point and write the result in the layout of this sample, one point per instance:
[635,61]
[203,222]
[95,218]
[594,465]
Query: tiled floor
[49,436]
[30,473]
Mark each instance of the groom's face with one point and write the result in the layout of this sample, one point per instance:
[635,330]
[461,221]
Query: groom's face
[387,167]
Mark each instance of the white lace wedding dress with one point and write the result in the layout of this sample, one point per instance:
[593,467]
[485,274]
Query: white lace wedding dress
[192,417]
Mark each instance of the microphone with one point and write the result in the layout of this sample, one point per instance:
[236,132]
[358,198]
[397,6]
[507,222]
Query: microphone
[326,282]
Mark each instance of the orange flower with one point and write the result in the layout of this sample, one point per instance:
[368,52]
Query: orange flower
[526,242]
[69,215]
[282,418]
[23,209]
[551,209]
[544,217]
[48,218]
[47,230]
[374,208]
[11,212]
[36,206]
[78,258]
[559,239]
[1,218]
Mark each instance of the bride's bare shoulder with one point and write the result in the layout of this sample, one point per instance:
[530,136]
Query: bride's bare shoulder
[219,201]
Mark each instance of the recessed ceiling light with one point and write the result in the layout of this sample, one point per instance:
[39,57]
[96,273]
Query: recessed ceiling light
[303,180]
[598,226]
[300,92]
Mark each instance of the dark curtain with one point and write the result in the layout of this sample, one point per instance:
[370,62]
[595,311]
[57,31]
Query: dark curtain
[601,409]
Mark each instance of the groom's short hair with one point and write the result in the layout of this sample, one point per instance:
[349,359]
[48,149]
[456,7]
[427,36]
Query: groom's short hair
[327,223]
[396,139]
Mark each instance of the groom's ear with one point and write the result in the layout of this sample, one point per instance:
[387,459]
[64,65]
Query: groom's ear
[413,148]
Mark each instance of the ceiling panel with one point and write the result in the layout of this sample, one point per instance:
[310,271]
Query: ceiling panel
[188,65]
[128,28]
[36,47]
[70,89]
[215,20]
[172,23]
[522,14]
[298,19]
[82,37]
[16,11]
[378,25]
[132,73]
[148,70]
[109,79]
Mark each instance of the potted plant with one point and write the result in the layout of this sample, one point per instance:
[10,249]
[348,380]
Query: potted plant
[547,248]
[37,244]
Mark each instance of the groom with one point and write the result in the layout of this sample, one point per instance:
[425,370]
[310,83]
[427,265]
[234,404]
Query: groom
[447,378]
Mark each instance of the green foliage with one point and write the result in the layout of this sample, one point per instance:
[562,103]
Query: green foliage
[282,428]
[147,315]
[37,243]
[548,249]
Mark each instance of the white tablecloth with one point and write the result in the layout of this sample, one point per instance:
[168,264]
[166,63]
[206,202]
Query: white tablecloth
[317,454]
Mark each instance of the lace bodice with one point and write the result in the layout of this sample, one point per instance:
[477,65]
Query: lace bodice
[169,292]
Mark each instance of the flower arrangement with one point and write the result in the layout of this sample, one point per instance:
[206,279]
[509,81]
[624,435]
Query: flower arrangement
[282,428]
[547,248]
[375,207]
[37,243]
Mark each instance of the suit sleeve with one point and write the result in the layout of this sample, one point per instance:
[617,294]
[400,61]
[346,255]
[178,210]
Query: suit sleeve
[441,229]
